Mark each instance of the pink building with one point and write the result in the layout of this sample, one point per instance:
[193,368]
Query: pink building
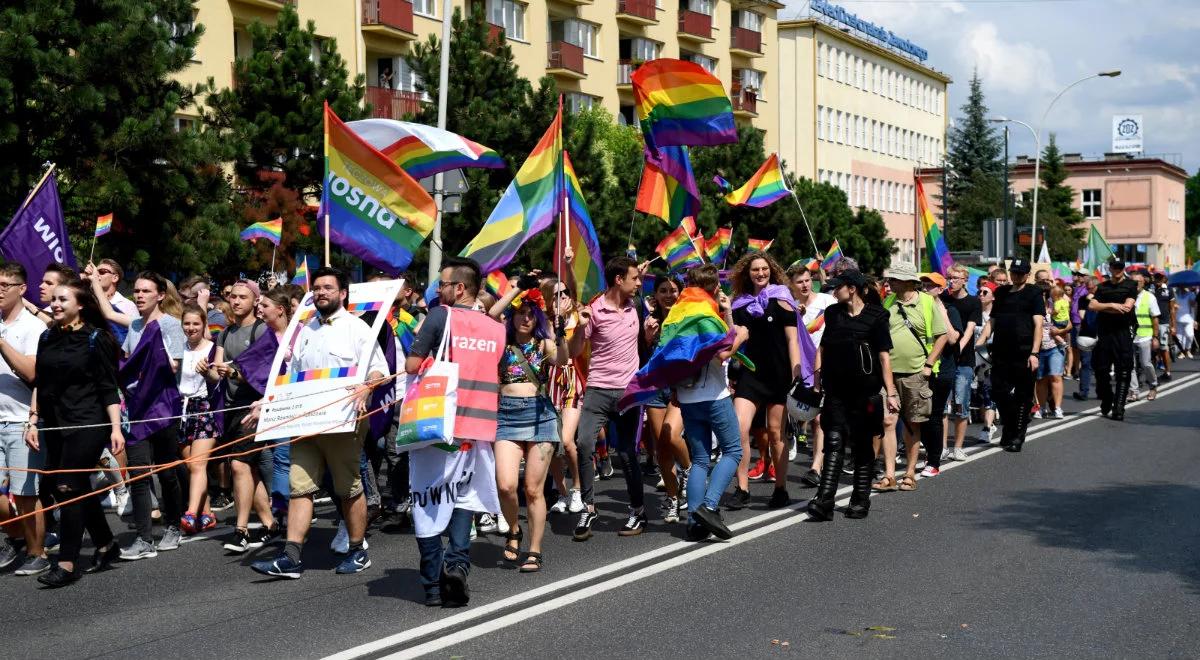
[1135,203]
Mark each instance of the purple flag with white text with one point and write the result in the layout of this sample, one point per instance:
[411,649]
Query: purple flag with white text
[37,236]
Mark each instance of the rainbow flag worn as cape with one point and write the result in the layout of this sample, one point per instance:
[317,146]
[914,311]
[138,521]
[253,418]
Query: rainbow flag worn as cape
[668,188]
[587,267]
[716,248]
[763,189]
[532,203]
[831,257]
[272,230]
[939,255]
[422,150]
[759,244]
[692,334]
[103,225]
[404,325]
[376,211]
[679,103]
[301,276]
[678,251]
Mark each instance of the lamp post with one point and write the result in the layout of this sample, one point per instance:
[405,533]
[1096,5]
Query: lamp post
[1037,161]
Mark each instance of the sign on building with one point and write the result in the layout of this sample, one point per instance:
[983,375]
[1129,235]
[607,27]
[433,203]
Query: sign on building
[1127,134]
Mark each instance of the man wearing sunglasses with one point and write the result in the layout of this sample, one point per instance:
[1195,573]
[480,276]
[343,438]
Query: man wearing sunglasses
[970,312]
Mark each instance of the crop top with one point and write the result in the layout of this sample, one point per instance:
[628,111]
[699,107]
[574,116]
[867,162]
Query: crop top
[513,371]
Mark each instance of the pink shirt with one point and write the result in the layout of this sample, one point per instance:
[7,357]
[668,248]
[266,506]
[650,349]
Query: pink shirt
[614,337]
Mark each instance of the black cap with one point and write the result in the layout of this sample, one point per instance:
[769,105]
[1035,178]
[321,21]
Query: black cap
[1019,266]
[1116,262]
[847,278]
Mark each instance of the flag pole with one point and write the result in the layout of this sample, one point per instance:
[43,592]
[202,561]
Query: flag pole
[327,237]
[38,187]
[792,190]
[92,252]
[274,247]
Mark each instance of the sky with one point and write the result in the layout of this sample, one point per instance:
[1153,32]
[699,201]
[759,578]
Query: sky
[1026,51]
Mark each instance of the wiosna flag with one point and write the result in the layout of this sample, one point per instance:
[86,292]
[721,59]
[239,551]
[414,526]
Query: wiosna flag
[37,235]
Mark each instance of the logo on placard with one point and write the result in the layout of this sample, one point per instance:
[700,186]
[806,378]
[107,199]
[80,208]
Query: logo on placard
[1127,128]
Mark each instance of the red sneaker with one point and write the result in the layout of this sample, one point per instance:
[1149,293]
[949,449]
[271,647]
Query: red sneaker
[756,470]
[771,472]
[206,523]
[187,524]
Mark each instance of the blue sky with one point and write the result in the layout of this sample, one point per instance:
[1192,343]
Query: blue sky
[1028,50]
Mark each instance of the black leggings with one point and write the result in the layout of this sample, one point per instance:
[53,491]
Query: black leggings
[161,447]
[1012,389]
[79,450]
[931,431]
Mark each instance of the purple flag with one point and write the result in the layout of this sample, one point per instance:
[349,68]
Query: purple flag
[385,394]
[149,384]
[254,363]
[37,236]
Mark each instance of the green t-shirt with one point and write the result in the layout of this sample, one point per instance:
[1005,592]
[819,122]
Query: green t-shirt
[907,354]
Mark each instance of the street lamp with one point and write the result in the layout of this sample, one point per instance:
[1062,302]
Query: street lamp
[1037,161]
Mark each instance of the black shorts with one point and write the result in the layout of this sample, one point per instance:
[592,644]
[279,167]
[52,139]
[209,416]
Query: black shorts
[235,431]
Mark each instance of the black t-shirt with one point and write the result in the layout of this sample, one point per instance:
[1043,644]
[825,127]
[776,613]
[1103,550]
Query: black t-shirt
[1012,318]
[969,309]
[1163,294]
[950,357]
[850,350]
[430,335]
[767,346]
[76,376]
[1087,325]
[1112,292]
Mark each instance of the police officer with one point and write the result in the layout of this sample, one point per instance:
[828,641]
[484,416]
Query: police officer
[1015,328]
[1113,355]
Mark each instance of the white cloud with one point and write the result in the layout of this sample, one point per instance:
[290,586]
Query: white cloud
[1012,68]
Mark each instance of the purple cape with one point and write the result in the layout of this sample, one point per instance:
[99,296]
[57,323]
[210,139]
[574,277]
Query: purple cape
[149,384]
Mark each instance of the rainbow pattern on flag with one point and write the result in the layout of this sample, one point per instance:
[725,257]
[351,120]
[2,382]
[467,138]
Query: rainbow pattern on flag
[421,150]
[215,329]
[831,257]
[376,211]
[301,276]
[325,373]
[587,267]
[103,225]
[759,244]
[404,325]
[763,189]
[272,230]
[716,248]
[497,283]
[692,334]
[668,187]
[939,255]
[678,251]
[723,185]
[680,103]
[531,203]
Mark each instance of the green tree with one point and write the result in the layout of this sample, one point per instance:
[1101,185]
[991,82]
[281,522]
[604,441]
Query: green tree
[1063,222]
[974,190]
[1191,224]
[91,86]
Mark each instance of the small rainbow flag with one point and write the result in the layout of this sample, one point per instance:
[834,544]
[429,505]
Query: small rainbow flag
[497,283]
[678,251]
[716,248]
[301,276]
[939,255]
[680,103]
[763,189]
[422,150]
[759,244]
[215,329]
[831,257]
[272,230]
[404,325]
[103,225]
[668,188]
[722,184]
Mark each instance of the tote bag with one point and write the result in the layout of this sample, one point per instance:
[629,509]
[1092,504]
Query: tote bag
[430,402]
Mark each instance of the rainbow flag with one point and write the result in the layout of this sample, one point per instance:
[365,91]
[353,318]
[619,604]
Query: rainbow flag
[587,267]
[678,251]
[939,255]
[692,334]
[763,189]
[103,225]
[532,203]
[324,373]
[680,103]
[668,188]
[301,276]
[422,150]
[831,257]
[722,184]
[759,244]
[376,211]
[404,325]
[716,248]
[497,282]
[272,230]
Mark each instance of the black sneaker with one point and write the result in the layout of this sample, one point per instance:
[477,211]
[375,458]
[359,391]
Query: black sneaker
[811,479]
[605,470]
[583,529]
[242,542]
[103,559]
[455,592]
[636,524]
[266,535]
[738,500]
[711,520]
[220,502]
[1079,396]
[779,499]
[695,533]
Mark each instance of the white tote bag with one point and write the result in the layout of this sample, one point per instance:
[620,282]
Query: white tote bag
[431,401]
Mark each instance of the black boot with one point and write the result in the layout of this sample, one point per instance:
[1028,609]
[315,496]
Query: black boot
[860,496]
[820,507]
[1019,427]
[1120,395]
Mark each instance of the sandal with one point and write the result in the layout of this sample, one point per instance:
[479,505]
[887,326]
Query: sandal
[533,562]
[1152,395]
[512,554]
[884,485]
[908,484]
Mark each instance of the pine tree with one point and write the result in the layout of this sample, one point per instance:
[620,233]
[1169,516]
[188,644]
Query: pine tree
[975,162]
[1063,222]
[1191,223]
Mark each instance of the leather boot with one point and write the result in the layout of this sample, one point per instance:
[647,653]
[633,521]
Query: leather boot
[1022,423]
[820,507]
[1121,394]
[860,496]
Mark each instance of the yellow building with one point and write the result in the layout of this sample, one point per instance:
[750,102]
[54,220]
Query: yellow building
[589,46]
[860,110]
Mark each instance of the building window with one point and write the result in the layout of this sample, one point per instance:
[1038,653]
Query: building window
[1092,203]
[749,20]
[577,102]
[509,15]
[638,50]
[627,116]
[838,59]
[579,33]
[820,122]
[185,124]
[822,60]
[425,8]
[701,6]
[753,80]
[859,71]
[707,63]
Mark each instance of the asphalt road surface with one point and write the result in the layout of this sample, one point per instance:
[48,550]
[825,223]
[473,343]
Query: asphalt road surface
[1085,545]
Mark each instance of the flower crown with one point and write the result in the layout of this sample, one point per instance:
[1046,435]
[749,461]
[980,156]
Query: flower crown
[533,296]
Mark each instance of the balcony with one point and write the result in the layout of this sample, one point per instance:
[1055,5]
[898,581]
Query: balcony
[695,26]
[640,12]
[745,101]
[389,19]
[565,60]
[746,43]
[267,4]
[393,103]
[624,74]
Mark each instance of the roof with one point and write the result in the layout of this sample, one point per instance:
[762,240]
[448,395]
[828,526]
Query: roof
[865,44]
[1088,167]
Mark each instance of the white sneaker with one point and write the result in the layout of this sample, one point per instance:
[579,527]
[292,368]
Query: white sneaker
[501,525]
[1058,413]
[487,524]
[341,541]
[122,500]
[793,451]
[1037,414]
[957,454]
[576,505]
[987,433]
[561,505]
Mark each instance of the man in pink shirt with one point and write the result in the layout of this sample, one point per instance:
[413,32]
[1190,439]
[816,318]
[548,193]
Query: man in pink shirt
[611,324]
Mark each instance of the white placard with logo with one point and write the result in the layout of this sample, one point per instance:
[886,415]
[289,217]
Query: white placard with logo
[1127,134]
[291,393]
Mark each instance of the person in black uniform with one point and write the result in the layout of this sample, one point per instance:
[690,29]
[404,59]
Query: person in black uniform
[1015,327]
[1113,355]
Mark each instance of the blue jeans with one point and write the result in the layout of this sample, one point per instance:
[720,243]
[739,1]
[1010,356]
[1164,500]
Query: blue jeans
[434,557]
[700,421]
[959,406]
[281,465]
[1085,372]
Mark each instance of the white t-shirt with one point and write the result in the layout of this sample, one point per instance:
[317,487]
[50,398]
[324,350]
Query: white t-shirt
[123,304]
[15,394]
[1184,301]
[815,309]
[710,384]
[1154,313]
[191,383]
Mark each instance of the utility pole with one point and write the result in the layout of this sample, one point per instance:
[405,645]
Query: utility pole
[1007,199]
[435,245]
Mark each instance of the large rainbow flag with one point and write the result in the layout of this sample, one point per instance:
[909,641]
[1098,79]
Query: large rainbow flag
[939,255]
[716,248]
[422,150]
[272,230]
[668,188]
[692,334]
[678,251]
[763,189]
[532,203]
[680,103]
[587,267]
[376,211]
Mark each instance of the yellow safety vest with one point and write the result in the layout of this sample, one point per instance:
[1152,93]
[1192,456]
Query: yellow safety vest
[1145,320]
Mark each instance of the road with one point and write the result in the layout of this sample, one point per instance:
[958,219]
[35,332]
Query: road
[1083,545]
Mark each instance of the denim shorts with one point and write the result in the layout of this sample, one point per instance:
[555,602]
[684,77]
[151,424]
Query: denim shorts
[1051,361]
[958,406]
[526,419]
[14,453]
[662,399]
